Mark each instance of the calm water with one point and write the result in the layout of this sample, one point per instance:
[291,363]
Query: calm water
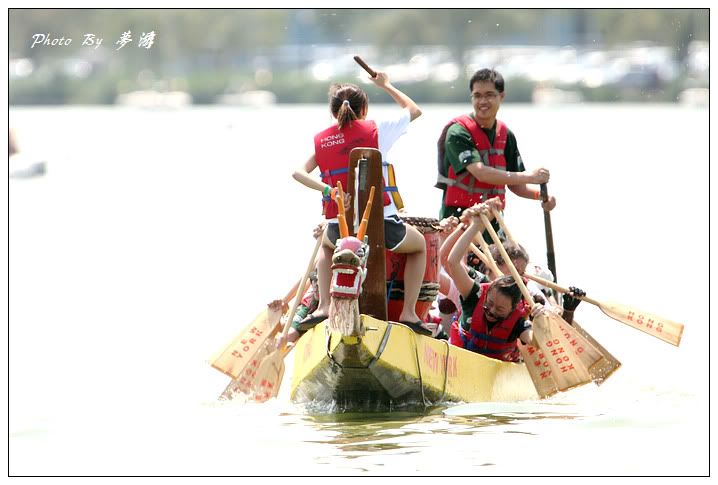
[155,236]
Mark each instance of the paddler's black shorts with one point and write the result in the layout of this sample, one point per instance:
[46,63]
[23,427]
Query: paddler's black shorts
[394,232]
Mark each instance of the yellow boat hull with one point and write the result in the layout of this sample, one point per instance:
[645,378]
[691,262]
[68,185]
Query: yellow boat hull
[391,367]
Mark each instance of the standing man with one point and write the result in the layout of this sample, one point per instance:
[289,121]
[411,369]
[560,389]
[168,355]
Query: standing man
[478,154]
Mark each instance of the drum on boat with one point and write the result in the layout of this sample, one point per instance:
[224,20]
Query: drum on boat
[395,263]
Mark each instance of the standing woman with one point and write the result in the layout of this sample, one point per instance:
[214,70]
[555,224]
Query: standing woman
[349,105]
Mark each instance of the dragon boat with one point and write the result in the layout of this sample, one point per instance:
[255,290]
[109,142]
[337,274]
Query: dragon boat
[360,358]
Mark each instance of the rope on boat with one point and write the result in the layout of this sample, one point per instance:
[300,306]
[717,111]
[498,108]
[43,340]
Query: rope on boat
[382,345]
[423,224]
[418,370]
[428,291]
[418,365]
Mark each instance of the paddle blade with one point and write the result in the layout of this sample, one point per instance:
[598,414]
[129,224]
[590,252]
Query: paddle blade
[600,371]
[243,349]
[564,355]
[245,382]
[590,356]
[539,370]
[269,377]
[659,327]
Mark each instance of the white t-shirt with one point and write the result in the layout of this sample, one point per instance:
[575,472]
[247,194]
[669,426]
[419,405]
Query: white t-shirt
[390,130]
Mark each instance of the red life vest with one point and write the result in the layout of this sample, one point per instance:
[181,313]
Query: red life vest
[491,343]
[463,190]
[331,150]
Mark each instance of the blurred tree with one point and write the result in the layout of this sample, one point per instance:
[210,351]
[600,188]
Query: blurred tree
[686,33]
[401,31]
[338,25]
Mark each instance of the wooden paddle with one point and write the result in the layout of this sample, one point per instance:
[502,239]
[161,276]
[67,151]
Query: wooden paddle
[363,64]
[550,257]
[659,327]
[610,364]
[605,364]
[241,351]
[245,382]
[567,357]
[271,369]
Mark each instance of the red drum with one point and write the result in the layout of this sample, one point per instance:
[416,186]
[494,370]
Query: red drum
[395,271]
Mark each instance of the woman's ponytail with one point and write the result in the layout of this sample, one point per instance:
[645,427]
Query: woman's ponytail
[346,114]
[346,102]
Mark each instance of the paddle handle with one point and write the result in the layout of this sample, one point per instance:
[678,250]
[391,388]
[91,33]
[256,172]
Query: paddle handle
[550,256]
[502,224]
[302,282]
[481,255]
[560,289]
[366,67]
[507,259]
[291,293]
[488,259]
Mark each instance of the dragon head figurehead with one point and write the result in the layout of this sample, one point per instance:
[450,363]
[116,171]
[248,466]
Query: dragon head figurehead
[348,274]
[348,268]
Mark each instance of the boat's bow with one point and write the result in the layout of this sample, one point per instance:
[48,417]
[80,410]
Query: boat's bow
[391,367]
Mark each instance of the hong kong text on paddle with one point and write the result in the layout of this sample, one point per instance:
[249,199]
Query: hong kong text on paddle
[145,40]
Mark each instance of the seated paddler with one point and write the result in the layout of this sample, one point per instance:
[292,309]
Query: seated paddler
[493,315]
